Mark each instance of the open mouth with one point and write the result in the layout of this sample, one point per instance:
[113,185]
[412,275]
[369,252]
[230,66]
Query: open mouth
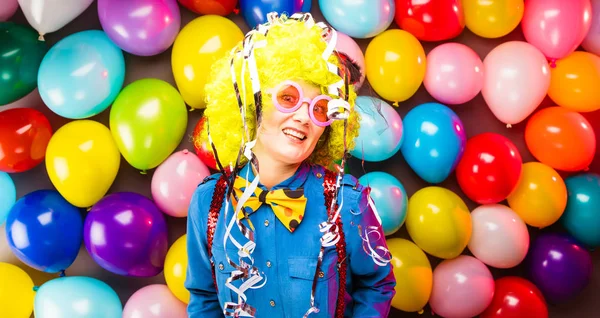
[294,134]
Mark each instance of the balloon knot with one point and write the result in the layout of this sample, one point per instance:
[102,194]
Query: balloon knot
[143,172]
[62,273]
[185,151]
[552,63]
[236,11]
[89,209]
[421,311]
[508,126]
[192,109]
[36,288]
[41,38]
[396,104]
[586,169]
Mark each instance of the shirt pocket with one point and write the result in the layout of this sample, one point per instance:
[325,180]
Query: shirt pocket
[223,270]
[301,271]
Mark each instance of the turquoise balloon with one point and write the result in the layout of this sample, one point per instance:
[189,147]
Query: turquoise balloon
[359,18]
[581,217]
[380,135]
[389,197]
[77,297]
[434,141]
[81,75]
[8,195]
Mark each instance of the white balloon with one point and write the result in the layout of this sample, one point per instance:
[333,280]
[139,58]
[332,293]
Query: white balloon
[48,16]
[500,238]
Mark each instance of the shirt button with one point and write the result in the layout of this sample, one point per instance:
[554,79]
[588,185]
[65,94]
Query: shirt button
[272,302]
[268,263]
[266,222]
[221,267]
[321,274]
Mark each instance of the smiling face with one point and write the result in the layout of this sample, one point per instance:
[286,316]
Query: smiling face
[291,137]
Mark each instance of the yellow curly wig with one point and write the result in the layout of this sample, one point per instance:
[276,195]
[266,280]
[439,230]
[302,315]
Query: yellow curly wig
[292,51]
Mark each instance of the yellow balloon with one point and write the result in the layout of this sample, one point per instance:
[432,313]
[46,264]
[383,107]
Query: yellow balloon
[197,46]
[493,18]
[540,197]
[439,222]
[82,160]
[414,277]
[16,292]
[176,264]
[395,65]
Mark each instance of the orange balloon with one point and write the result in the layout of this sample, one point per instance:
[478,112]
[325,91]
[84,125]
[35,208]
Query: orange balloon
[540,198]
[561,138]
[575,81]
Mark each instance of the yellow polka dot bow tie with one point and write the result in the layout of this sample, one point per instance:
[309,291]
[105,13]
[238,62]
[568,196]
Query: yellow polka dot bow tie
[288,205]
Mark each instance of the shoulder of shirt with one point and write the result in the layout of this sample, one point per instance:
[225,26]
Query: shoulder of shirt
[206,187]
[211,179]
[202,197]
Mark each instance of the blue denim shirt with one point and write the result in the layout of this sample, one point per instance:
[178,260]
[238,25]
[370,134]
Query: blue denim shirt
[288,260]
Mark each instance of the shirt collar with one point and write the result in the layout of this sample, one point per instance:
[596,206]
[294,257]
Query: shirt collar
[297,180]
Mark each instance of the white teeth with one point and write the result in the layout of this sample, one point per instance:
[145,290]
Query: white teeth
[294,133]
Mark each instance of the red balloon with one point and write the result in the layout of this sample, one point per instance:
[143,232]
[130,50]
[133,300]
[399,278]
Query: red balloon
[430,20]
[489,169]
[218,7]
[202,147]
[516,297]
[24,136]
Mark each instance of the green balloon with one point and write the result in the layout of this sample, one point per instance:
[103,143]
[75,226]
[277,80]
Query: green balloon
[148,120]
[21,54]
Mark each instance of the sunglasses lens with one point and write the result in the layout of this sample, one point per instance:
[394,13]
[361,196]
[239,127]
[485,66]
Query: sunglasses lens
[288,96]
[320,110]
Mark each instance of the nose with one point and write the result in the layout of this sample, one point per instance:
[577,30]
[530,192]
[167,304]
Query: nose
[301,114]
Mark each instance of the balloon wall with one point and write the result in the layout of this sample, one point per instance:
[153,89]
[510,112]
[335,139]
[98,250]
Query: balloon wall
[480,125]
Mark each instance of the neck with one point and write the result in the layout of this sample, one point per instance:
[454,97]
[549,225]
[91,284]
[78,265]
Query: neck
[273,172]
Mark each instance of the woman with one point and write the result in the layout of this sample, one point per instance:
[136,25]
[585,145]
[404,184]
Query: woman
[275,234]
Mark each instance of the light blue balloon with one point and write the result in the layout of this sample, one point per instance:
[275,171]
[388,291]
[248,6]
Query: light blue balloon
[359,18]
[389,197]
[434,141]
[380,134]
[81,75]
[77,297]
[8,195]
[581,217]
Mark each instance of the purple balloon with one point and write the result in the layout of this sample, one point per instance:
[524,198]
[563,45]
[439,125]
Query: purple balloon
[140,27]
[126,234]
[559,266]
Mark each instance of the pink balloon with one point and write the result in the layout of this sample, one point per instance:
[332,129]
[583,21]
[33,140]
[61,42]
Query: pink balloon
[500,238]
[454,73]
[516,80]
[591,42]
[175,181]
[556,27]
[346,44]
[8,9]
[154,301]
[462,287]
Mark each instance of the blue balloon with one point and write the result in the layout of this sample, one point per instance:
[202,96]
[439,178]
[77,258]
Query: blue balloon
[380,134]
[45,231]
[8,195]
[81,75]
[359,18]
[77,297]
[389,197]
[434,141]
[581,217]
[255,11]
